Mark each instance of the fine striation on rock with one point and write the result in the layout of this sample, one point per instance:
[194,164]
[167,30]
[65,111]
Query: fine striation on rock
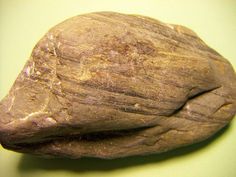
[111,85]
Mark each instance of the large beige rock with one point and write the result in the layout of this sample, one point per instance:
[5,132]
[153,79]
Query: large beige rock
[112,85]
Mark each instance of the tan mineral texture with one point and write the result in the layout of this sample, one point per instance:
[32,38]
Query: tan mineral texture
[111,85]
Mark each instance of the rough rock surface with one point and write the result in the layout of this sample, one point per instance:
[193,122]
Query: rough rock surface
[111,85]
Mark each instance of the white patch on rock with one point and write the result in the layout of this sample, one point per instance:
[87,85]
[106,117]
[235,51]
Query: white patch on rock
[170,26]
[12,102]
[51,120]
[58,45]
[27,71]
[136,105]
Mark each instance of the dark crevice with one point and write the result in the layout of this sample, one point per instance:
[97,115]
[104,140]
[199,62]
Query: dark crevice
[106,135]
[204,92]
[93,136]
[31,164]
[223,105]
[192,98]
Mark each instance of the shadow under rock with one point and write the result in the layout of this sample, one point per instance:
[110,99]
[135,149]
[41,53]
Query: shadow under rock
[31,163]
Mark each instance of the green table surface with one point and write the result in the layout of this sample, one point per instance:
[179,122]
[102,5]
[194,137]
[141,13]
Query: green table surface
[23,23]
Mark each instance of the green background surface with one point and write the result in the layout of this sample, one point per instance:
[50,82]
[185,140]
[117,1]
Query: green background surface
[24,22]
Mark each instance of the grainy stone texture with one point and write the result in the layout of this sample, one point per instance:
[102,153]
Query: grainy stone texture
[111,85]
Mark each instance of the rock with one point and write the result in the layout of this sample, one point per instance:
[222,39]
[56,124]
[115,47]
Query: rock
[112,85]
